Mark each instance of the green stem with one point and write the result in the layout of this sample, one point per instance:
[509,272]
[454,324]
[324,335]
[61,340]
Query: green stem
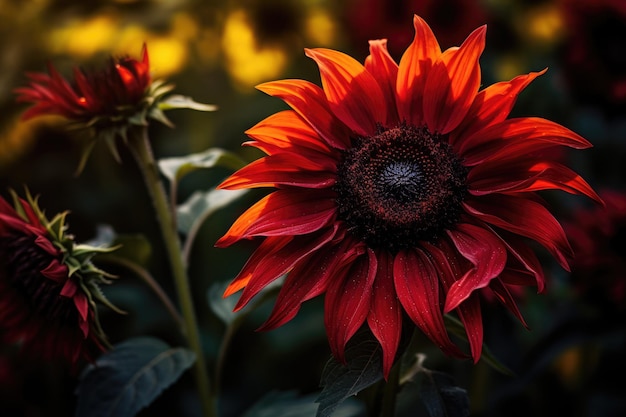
[390,391]
[149,281]
[140,146]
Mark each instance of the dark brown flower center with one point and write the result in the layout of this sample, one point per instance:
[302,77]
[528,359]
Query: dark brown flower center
[399,187]
[21,265]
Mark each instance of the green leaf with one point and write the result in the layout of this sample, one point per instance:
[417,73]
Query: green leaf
[363,368]
[289,404]
[456,328]
[283,404]
[201,204]
[177,101]
[176,168]
[223,306]
[442,397]
[129,377]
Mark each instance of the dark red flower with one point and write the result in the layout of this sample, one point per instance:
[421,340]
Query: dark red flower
[594,64]
[401,190]
[47,286]
[107,102]
[372,19]
[115,91]
[599,241]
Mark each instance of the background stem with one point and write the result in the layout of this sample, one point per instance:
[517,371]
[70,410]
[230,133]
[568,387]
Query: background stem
[140,146]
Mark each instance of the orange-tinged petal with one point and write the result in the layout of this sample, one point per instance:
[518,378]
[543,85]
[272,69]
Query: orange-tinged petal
[384,70]
[283,212]
[453,83]
[353,94]
[287,131]
[309,101]
[492,105]
[281,261]
[266,249]
[414,67]
[279,170]
[517,137]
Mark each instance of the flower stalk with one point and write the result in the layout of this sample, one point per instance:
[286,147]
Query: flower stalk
[139,145]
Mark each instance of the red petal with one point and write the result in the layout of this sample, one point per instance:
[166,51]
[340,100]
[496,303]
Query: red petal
[493,105]
[453,83]
[484,251]
[310,278]
[417,287]
[526,257]
[277,170]
[524,175]
[69,289]
[283,212]
[281,261]
[85,89]
[267,248]
[55,271]
[45,244]
[504,296]
[517,137]
[414,67]
[384,70]
[523,217]
[449,270]
[348,303]
[286,131]
[82,305]
[385,316]
[353,94]
[309,101]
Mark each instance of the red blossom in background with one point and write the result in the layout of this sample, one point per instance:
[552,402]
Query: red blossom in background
[401,190]
[594,63]
[599,241]
[450,19]
[45,300]
[117,89]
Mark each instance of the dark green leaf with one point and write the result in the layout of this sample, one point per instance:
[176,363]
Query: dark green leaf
[340,381]
[129,377]
[201,204]
[223,307]
[442,397]
[177,167]
[289,404]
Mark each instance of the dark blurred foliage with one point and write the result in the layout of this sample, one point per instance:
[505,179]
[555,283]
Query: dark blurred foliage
[570,362]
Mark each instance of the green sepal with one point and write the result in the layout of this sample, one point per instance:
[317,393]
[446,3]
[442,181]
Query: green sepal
[177,101]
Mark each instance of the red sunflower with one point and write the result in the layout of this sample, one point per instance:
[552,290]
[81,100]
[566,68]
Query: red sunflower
[48,286]
[106,101]
[401,191]
[599,237]
[118,88]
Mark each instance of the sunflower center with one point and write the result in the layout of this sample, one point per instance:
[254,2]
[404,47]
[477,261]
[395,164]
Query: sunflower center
[402,186]
[21,269]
